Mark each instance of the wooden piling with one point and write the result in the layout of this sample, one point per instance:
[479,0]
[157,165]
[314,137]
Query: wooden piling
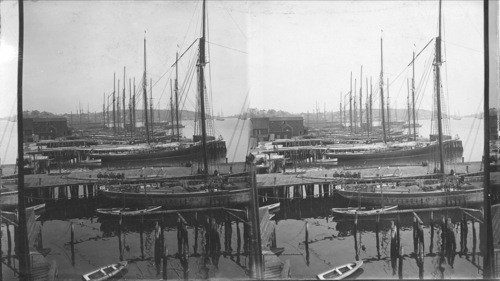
[141,236]
[415,237]
[377,237]
[431,244]
[120,238]
[398,233]
[400,267]
[9,241]
[394,248]
[474,241]
[195,247]
[306,242]
[228,233]
[164,265]
[72,244]
[179,237]
[355,235]
[463,234]
[158,251]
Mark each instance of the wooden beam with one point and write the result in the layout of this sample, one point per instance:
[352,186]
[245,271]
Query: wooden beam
[181,218]
[238,218]
[418,219]
[473,217]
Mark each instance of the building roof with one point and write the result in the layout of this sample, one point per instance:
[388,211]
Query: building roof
[290,118]
[260,123]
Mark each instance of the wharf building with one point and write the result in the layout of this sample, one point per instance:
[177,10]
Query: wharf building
[272,128]
[36,129]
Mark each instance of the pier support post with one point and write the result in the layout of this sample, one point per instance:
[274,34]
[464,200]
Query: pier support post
[179,238]
[394,248]
[356,237]
[415,237]
[474,241]
[158,252]
[431,244]
[400,266]
[228,233]
[72,244]
[377,238]
[120,238]
[195,247]
[164,265]
[306,243]
[141,236]
[464,231]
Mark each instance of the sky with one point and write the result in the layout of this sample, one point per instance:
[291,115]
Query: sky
[287,55]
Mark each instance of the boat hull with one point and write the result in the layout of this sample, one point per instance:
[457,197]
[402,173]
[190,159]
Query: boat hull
[215,149]
[126,213]
[184,200]
[452,149]
[340,272]
[417,200]
[353,212]
[8,200]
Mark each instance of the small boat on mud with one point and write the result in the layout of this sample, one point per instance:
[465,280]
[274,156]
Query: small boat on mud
[105,273]
[126,212]
[340,272]
[351,211]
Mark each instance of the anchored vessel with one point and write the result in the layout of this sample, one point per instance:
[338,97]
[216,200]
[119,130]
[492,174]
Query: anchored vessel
[210,191]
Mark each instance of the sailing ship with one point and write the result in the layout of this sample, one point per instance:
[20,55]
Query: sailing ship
[398,151]
[448,191]
[210,191]
[212,147]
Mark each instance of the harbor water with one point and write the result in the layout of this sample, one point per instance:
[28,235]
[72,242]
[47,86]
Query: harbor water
[332,241]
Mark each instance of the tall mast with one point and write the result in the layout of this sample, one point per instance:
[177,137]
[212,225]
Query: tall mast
[367,110]
[22,241]
[437,66]
[151,104]
[350,106]
[413,98]
[103,110]
[382,87]
[388,113]
[201,92]
[172,109]
[145,94]
[409,108]
[371,105]
[123,99]
[134,120]
[176,97]
[114,101]
[355,111]
[361,100]
[345,117]
[340,109]
[118,117]
[130,117]
[107,112]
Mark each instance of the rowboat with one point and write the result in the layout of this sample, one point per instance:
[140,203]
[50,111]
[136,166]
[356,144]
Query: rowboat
[126,211]
[104,273]
[351,211]
[340,272]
